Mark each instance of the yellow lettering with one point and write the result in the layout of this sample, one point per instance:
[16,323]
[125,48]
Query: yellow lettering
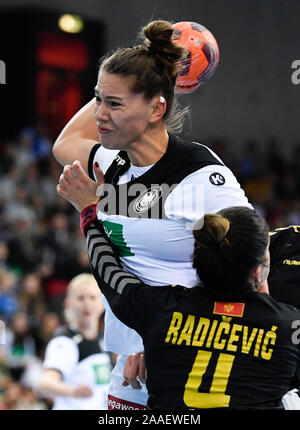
[247,342]
[291,262]
[270,337]
[211,333]
[258,342]
[174,327]
[201,330]
[234,337]
[186,334]
[216,397]
[223,327]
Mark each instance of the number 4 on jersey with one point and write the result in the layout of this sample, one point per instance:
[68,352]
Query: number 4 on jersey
[216,398]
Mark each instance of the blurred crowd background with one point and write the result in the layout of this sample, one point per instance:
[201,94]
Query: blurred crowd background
[42,247]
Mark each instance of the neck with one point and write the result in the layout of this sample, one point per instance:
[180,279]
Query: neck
[89,331]
[150,148]
[264,288]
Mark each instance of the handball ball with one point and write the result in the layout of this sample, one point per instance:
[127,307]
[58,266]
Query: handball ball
[202,55]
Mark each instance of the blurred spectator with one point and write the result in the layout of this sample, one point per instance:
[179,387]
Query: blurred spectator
[18,397]
[23,151]
[4,253]
[8,185]
[20,347]
[249,164]
[8,301]
[31,298]
[44,332]
[23,244]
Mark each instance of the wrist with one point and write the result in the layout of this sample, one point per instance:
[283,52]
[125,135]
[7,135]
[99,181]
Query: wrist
[88,215]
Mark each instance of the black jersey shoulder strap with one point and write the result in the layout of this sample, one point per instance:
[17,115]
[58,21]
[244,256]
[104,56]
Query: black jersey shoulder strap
[118,167]
[86,347]
[91,160]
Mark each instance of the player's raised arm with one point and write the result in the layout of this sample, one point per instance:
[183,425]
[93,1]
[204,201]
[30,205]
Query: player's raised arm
[106,267]
[78,137]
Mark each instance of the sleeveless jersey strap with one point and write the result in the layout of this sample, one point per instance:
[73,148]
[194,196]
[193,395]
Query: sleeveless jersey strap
[118,167]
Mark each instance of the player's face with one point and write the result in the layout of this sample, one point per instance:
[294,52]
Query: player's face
[122,116]
[86,304]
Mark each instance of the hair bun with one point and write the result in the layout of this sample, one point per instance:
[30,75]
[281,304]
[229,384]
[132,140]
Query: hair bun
[213,232]
[158,39]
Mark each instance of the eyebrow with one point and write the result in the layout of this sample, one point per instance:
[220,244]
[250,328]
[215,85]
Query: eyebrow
[107,97]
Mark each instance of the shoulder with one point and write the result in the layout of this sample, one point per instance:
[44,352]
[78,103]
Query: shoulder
[61,354]
[284,311]
[65,337]
[195,152]
[284,277]
[64,331]
[285,240]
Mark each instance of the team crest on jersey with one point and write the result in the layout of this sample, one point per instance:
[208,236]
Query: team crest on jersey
[148,199]
[217,179]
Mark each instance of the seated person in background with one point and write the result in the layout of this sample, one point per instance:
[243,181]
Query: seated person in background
[223,344]
[77,371]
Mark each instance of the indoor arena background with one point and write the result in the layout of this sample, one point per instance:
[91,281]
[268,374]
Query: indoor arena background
[248,113]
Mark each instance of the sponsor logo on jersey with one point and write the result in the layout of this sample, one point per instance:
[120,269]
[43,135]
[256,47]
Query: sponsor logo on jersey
[291,262]
[148,199]
[228,308]
[217,179]
[119,160]
[116,403]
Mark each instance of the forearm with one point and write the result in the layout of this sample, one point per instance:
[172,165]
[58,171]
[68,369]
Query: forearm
[105,262]
[117,285]
[52,387]
[78,137]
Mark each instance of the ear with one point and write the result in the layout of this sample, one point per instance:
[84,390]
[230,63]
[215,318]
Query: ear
[159,107]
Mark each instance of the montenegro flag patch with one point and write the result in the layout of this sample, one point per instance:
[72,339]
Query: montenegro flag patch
[229,308]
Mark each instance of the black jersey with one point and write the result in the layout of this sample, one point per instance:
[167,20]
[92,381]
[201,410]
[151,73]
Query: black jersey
[284,278]
[202,349]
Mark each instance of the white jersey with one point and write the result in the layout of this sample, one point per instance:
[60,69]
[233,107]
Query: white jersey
[80,361]
[153,234]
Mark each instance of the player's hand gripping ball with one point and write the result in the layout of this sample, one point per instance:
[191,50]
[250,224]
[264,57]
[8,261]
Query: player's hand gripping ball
[202,55]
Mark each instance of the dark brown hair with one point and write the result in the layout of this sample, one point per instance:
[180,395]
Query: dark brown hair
[229,245]
[155,65]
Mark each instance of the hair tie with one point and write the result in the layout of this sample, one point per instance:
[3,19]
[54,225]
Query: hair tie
[156,51]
